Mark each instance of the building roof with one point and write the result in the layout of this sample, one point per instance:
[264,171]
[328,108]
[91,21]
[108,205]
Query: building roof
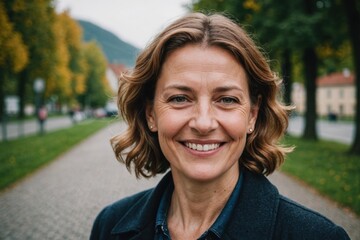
[338,78]
[117,68]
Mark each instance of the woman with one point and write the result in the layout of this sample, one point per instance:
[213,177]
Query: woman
[202,101]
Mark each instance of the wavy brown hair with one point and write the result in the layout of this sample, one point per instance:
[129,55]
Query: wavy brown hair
[139,148]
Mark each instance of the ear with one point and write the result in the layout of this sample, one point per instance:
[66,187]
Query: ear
[150,117]
[254,110]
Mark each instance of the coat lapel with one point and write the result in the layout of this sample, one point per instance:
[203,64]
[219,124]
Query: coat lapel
[255,214]
[139,221]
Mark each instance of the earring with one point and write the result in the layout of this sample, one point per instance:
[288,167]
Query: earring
[151,127]
[250,130]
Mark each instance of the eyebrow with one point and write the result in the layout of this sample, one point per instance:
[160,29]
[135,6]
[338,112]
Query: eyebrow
[227,88]
[219,89]
[179,87]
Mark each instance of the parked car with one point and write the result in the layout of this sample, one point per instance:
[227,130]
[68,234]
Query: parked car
[99,113]
[111,109]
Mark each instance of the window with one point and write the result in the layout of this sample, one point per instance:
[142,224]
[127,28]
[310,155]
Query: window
[329,93]
[341,93]
[341,109]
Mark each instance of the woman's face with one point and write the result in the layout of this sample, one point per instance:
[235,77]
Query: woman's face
[202,112]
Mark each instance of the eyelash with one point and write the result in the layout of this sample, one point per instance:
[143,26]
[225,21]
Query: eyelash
[225,100]
[178,99]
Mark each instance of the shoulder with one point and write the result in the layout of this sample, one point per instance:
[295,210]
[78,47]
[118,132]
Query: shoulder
[295,220]
[112,214]
[129,215]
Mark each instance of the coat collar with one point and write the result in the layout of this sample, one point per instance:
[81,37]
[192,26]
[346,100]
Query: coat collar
[139,221]
[253,218]
[256,211]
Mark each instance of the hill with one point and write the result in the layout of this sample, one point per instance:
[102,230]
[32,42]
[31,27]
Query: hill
[115,49]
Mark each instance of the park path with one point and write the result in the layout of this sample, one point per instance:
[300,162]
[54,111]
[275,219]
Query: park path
[29,127]
[61,200]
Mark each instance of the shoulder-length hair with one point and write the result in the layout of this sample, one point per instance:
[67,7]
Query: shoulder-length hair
[139,148]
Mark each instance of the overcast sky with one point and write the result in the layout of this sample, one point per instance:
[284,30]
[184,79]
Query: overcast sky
[134,21]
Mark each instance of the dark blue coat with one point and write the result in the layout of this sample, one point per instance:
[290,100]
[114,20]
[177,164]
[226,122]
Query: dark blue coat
[261,213]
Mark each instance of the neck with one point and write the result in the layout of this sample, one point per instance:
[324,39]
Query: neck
[196,205]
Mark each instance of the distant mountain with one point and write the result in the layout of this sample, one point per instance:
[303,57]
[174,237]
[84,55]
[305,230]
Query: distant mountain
[116,50]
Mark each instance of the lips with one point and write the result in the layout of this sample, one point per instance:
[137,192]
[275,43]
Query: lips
[202,147]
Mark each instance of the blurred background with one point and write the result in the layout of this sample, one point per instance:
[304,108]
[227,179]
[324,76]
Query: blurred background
[60,60]
[65,56]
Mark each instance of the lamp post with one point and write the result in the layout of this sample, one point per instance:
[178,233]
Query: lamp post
[39,86]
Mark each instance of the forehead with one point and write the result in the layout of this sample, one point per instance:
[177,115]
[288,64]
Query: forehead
[197,55]
[193,63]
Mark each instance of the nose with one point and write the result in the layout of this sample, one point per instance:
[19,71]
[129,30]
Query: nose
[204,119]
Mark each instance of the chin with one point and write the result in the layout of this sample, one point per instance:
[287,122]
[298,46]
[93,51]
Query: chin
[203,175]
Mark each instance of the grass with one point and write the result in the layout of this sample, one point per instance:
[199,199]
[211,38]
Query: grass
[327,167]
[22,156]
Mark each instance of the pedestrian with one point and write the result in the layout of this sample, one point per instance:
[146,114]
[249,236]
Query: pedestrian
[202,103]
[42,116]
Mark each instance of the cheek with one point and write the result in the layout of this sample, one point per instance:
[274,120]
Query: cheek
[169,125]
[235,124]
[169,121]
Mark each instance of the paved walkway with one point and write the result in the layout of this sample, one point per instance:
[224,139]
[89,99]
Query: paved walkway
[343,132]
[28,127]
[61,200]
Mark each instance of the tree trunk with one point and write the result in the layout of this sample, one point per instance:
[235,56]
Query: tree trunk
[353,18]
[4,77]
[2,94]
[21,89]
[310,66]
[286,74]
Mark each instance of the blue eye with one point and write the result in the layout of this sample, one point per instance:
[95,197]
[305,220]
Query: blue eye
[178,99]
[228,100]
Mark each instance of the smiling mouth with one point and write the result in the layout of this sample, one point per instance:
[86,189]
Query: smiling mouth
[202,147]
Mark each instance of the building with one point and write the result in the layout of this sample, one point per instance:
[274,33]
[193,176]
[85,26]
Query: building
[298,97]
[113,72]
[335,95]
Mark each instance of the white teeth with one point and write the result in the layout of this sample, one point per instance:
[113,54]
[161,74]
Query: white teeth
[203,147]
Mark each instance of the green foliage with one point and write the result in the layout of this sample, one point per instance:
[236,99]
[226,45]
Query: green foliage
[13,55]
[20,157]
[116,50]
[76,61]
[96,91]
[327,167]
[34,21]
[67,80]
[37,42]
[286,25]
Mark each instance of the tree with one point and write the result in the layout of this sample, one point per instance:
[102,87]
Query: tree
[97,91]
[352,10]
[59,82]
[68,78]
[326,27]
[34,20]
[76,64]
[280,29]
[13,54]
[310,61]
